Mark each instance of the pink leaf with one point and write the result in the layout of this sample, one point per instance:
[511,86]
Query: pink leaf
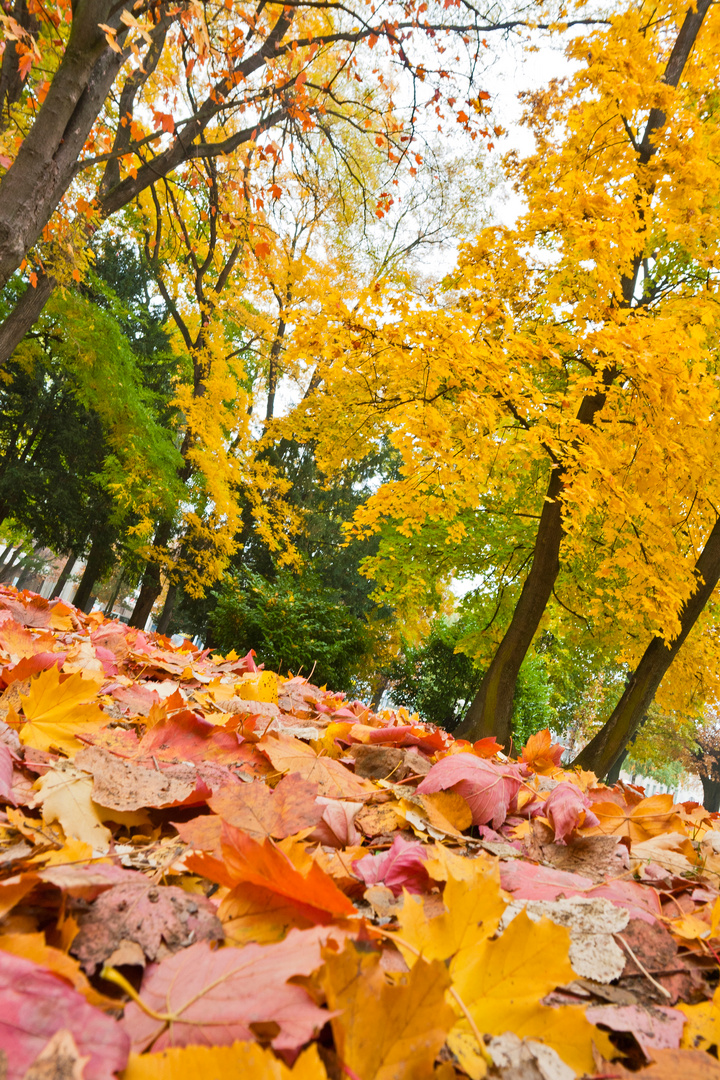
[655,1027]
[528,881]
[488,787]
[37,1004]
[216,996]
[567,807]
[402,867]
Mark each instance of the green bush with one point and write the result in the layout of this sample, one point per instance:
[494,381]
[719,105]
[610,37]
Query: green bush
[293,622]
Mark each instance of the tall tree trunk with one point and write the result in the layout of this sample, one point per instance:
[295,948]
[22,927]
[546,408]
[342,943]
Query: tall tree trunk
[10,562]
[28,570]
[151,585]
[491,710]
[64,575]
[91,572]
[115,593]
[168,608]
[606,746]
[711,794]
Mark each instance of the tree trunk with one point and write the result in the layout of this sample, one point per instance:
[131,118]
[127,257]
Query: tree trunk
[83,594]
[115,593]
[64,575]
[28,569]
[151,586]
[711,794]
[168,607]
[10,564]
[491,710]
[46,161]
[602,751]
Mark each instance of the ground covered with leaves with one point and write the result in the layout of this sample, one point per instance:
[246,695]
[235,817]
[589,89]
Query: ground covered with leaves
[210,870]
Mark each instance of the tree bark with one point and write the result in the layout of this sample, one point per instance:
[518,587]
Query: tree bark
[604,748]
[151,585]
[94,562]
[711,794]
[64,575]
[490,712]
[168,608]
[47,159]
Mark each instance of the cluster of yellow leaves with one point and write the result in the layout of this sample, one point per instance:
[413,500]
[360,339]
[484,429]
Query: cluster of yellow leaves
[479,389]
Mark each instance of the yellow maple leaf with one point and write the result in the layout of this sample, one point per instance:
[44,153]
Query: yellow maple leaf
[211,1062]
[65,795]
[648,818]
[387,1031]
[502,982]
[702,1028]
[56,712]
[473,911]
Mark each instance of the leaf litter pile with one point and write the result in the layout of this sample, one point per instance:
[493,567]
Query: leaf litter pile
[208,871]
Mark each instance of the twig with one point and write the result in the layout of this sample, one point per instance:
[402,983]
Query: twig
[644,970]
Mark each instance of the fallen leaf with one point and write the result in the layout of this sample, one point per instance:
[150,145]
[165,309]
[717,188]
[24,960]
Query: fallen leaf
[386,1031]
[567,808]
[515,1058]
[245,861]
[34,947]
[65,796]
[60,1060]
[290,755]
[152,916]
[213,997]
[261,812]
[402,867]
[669,1065]
[646,819]
[57,709]
[702,1028]
[127,786]
[654,1027]
[487,787]
[541,755]
[36,1004]
[242,1059]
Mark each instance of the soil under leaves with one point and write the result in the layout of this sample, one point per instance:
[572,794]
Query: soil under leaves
[211,870]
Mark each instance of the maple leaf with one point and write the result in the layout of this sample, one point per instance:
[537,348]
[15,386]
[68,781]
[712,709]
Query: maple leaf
[148,915]
[126,786]
[34,947]
[244,860]
[57,709]
[214,998]
[402,867]
[36,1004]
[289,755]
[567,808]
[65,795]
[646,819]
[211,1062]
[487,787]
[540,755]
[382,1031]
[261,812]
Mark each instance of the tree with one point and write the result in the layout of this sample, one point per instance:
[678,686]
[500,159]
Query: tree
[539,395]
[99,101]
[294,622]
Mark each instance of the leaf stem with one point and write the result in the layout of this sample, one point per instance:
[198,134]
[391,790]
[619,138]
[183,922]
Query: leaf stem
[114,976]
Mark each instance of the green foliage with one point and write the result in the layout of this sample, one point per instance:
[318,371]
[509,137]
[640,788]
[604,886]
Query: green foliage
[434,680]
[294,622]
[532,705]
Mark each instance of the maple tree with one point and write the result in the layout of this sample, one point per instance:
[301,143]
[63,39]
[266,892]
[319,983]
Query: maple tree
[538,405]
[101,101]
[208,867]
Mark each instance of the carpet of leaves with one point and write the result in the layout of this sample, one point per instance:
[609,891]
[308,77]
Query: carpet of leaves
[209,870]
